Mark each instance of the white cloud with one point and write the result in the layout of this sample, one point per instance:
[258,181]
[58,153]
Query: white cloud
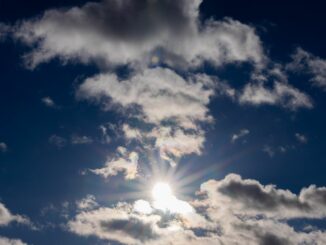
[8,241]
[177,143]
[90,33]
[80,140]
[151,89]
[301,138]
[127,163]
[87,203]
[305,62]
[131,133]
[48,101]
[250,198]
[3,147]
[6,217]
[281,94]
[243,132]
[182,101]
[227,211]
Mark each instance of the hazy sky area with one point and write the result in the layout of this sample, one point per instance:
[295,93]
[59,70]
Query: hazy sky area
[162,122]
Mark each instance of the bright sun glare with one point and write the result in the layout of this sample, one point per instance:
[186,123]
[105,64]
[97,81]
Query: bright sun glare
[162,191]
[165,200]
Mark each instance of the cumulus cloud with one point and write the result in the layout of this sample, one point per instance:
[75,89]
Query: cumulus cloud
[127,163]
[3,147]
[241,134]
[152,89]
[128,32]
[250,198]
[8,241]
[152,34]
[307,63]
[114,224]
[281,94]
[156,96]
[232,210]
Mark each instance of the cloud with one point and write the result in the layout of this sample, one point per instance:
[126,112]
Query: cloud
[176,143]
[159,34]
[87,203]
[131,32]
[281,94]
[80,140]
[58,141]
[3,147]
[8,241]
[301,138]
[6,217]
[251,198]
[105,137]
[48,102]
[241,134]
[269,150]
[182,102]
[114,224]
[127,163]
[232,210]
[151,89]
[307,63]
[132,133]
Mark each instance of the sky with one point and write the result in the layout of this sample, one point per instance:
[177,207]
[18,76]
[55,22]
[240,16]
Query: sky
[162,122]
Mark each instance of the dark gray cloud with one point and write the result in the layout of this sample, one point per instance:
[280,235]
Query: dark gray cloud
[252,198]
[138,32]
[255,196]
[134,227]
[132,21]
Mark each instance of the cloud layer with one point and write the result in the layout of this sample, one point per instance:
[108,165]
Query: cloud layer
[228,211]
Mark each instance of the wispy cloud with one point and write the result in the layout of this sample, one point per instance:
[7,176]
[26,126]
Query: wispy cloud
[48,101]
[80,140]
[3,147]
[57,140]
[242,133]
[125,163]
[307,63]
[281,94]
[301,138]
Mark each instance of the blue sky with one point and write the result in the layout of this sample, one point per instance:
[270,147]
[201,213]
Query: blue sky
[222,101]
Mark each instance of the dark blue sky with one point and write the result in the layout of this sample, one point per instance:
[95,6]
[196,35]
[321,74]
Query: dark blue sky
[38,177]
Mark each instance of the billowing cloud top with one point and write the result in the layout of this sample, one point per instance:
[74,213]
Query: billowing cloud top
[132,32]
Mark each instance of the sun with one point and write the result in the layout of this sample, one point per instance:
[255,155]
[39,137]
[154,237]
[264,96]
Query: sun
[164,200]
[162,192]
